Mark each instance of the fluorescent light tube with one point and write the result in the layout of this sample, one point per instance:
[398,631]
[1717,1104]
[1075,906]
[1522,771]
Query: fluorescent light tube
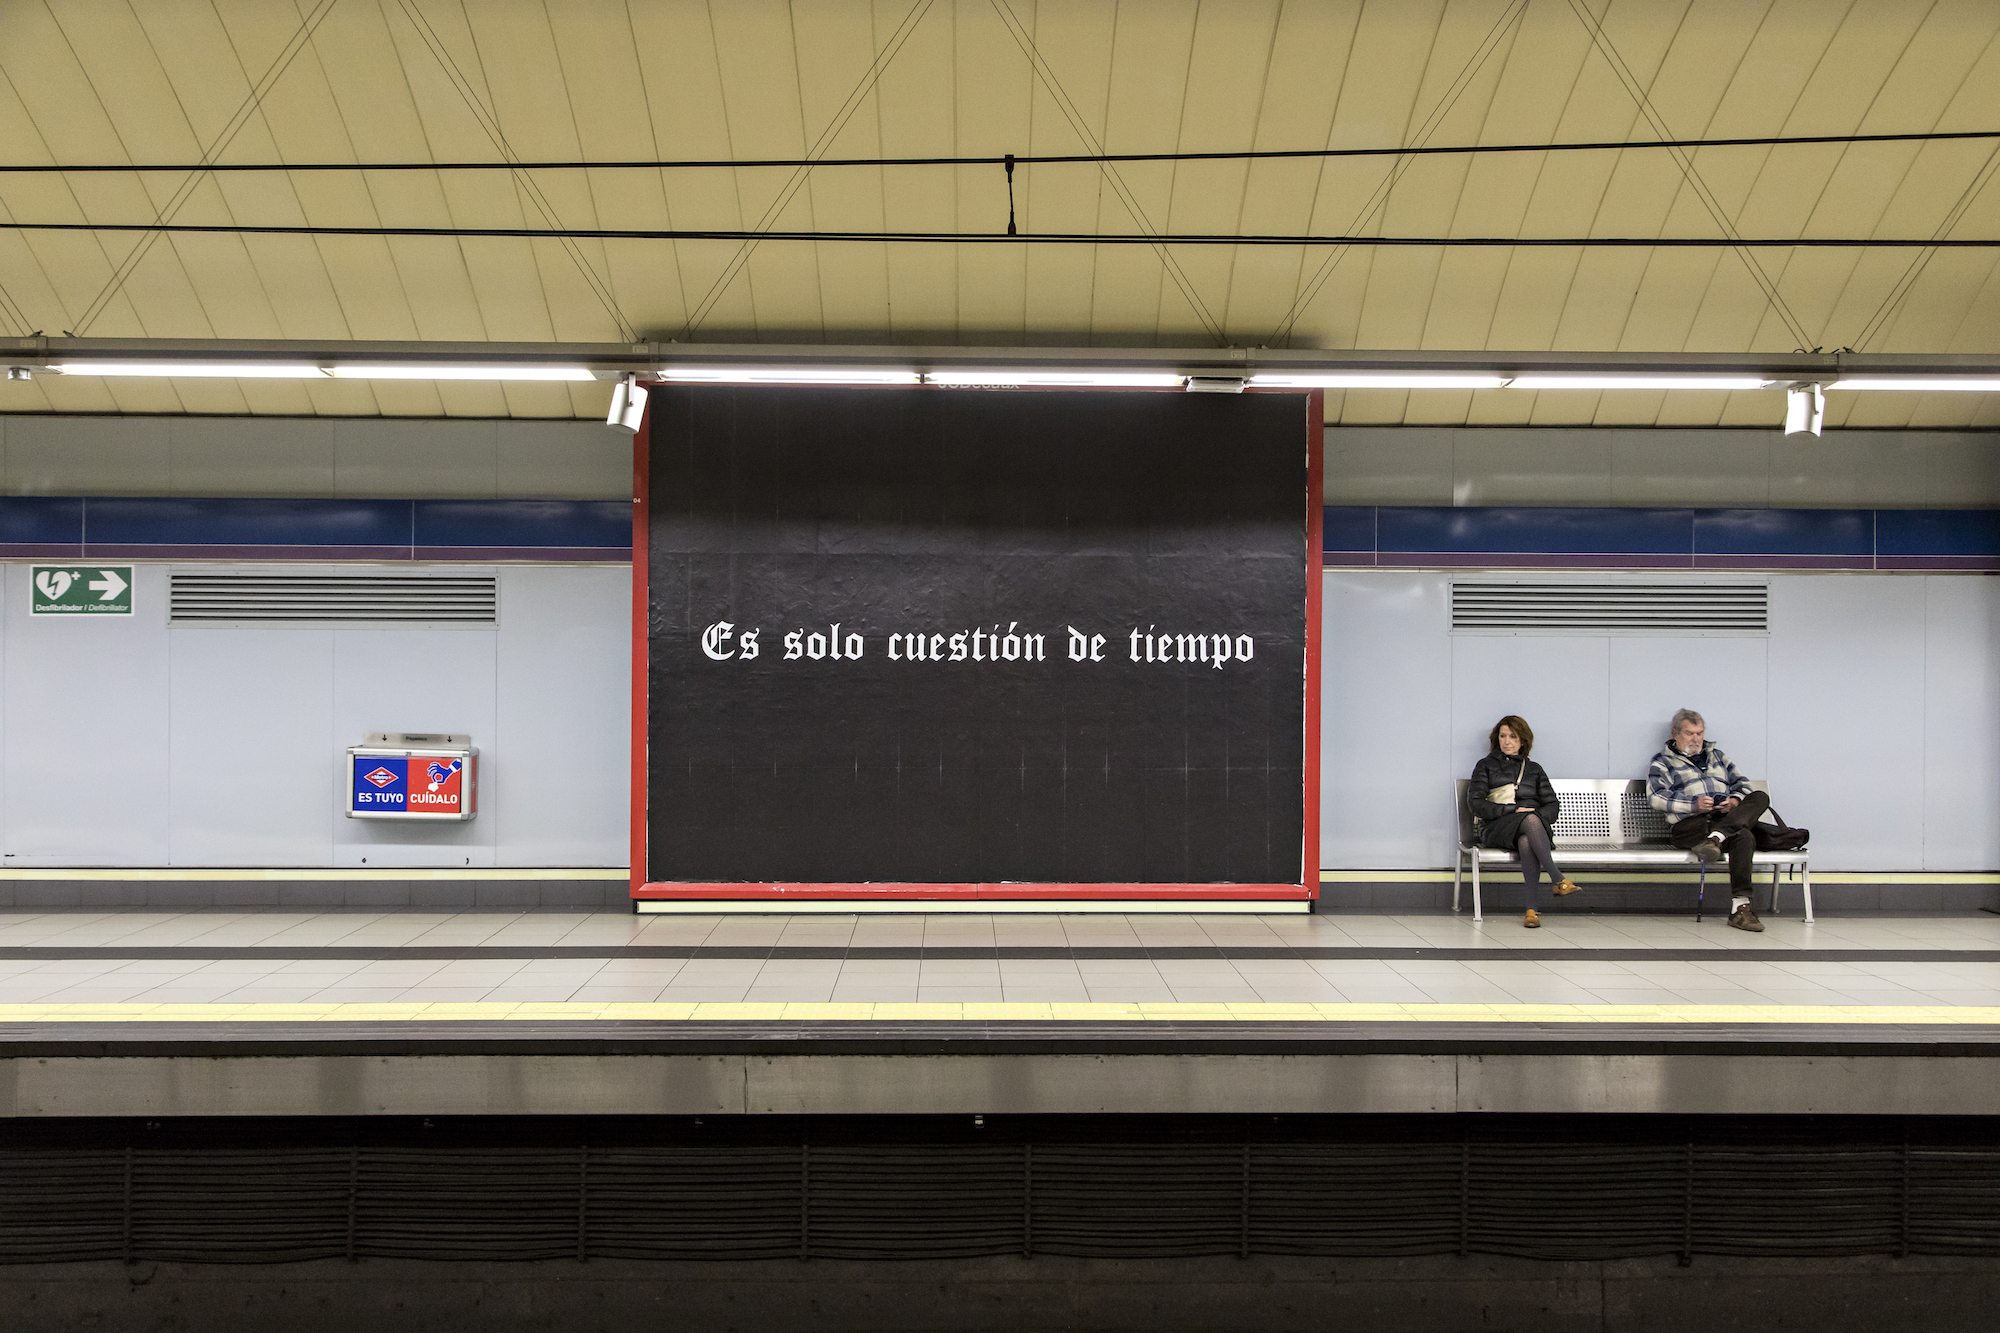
[233,370]
[1082,379]
[1388,380]
[1919,384]
[392,371]
[793,375]
[1601,382]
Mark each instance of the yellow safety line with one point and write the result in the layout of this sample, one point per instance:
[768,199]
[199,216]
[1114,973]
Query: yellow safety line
[1138,1011]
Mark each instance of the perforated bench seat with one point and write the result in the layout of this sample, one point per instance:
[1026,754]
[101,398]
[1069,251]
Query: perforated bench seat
[1610,822]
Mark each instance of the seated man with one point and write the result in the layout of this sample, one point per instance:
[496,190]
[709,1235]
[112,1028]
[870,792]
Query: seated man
[1709,807]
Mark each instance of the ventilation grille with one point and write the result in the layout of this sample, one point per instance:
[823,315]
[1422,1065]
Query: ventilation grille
[337,599]
[1614,608]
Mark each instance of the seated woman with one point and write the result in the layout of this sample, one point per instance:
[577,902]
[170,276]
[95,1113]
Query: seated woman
[1513,808]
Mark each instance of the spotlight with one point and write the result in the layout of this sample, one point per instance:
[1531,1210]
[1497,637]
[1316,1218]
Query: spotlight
[1805,409]
[628,405]
[19,373]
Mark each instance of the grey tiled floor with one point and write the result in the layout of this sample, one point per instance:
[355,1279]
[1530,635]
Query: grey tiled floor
[1716,976]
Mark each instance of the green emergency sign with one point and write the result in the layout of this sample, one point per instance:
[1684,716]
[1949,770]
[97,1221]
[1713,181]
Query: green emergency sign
[81,590]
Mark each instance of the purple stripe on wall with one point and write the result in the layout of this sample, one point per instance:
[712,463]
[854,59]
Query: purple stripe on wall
[568,554]
[1530,560]
[163,551]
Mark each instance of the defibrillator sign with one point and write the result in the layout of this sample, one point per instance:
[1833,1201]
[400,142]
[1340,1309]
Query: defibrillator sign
[80,590]
[411,785]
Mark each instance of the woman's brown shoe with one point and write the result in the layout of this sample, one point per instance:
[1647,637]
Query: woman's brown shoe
[1564,889]
[1533,921]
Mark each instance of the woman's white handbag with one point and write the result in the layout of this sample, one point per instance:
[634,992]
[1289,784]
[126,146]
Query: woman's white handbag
[1505,795]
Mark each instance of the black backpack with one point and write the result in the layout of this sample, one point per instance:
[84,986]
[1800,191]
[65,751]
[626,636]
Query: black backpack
[1780,836]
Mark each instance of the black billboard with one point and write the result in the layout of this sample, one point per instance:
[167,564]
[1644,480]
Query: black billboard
[946,637]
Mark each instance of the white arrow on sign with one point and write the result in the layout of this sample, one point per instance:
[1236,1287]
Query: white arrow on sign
[110,585]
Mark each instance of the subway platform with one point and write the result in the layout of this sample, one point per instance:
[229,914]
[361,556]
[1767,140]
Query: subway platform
[370,1012]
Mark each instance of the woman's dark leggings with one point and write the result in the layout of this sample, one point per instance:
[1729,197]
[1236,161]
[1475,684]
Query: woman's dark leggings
[1537,856]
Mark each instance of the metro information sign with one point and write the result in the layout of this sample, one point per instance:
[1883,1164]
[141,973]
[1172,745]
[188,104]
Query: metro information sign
[80,590]
[405,785]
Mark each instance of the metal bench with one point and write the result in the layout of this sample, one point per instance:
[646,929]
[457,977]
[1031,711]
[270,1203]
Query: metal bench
[1609,822]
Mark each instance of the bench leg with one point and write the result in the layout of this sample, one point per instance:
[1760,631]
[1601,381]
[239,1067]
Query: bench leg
[1805,878]
[1476,914]
[1774,889]
[1700,892]
[1457,873]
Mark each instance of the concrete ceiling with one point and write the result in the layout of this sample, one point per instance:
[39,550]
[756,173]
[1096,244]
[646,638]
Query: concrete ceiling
[182,82]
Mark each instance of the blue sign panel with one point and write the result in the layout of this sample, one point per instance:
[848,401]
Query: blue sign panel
[381,783]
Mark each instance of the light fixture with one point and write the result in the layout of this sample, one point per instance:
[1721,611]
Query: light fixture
[1053,379]
[387,370]
[787,375]
[1919,384]
[1389,380]
[1731,383]
[231,370]
[1215,384]
[628,405]
[1805,409]
[19,373]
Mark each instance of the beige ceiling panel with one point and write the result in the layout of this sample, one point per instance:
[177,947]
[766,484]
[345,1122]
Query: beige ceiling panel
[1621,406]
[684,107]
[1690,410]
[127,78]
[1399,282]
[993,87]
[1386,64]
[32,396]
[1531,297]
[1987,415]
[1463,297]
[1228,92]
[278,398]
[1136,299]
[1666,293]
[1332,299]
[533,400]
[81,394]
[607,91]
[150,396]
[1568,408]
[1598,308]
[920,281]
[411,398]
[1373,407]
[358,55]
[1494,407]
[1438,407]
[211,397]
[295,288]
[354,398]
[466,398]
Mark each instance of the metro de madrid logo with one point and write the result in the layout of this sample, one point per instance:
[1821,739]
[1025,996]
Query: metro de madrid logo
[381,777]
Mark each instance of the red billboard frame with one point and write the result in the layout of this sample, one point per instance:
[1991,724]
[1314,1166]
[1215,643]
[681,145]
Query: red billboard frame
[1307,890]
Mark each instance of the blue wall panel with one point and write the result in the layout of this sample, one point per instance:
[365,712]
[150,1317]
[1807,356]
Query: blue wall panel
[41,526]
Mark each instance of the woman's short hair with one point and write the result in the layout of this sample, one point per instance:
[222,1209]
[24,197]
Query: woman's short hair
[1685,715]
[1519,726]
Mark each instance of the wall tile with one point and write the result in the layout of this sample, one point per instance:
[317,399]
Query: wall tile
[1849,469]
[1531,467]
[258,456]
[563,460]
[394,459]
[1725,468]
[1961,469]
[1388,466]
[87,456]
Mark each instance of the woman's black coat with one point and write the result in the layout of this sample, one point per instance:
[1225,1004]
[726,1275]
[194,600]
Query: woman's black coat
[1499,825]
